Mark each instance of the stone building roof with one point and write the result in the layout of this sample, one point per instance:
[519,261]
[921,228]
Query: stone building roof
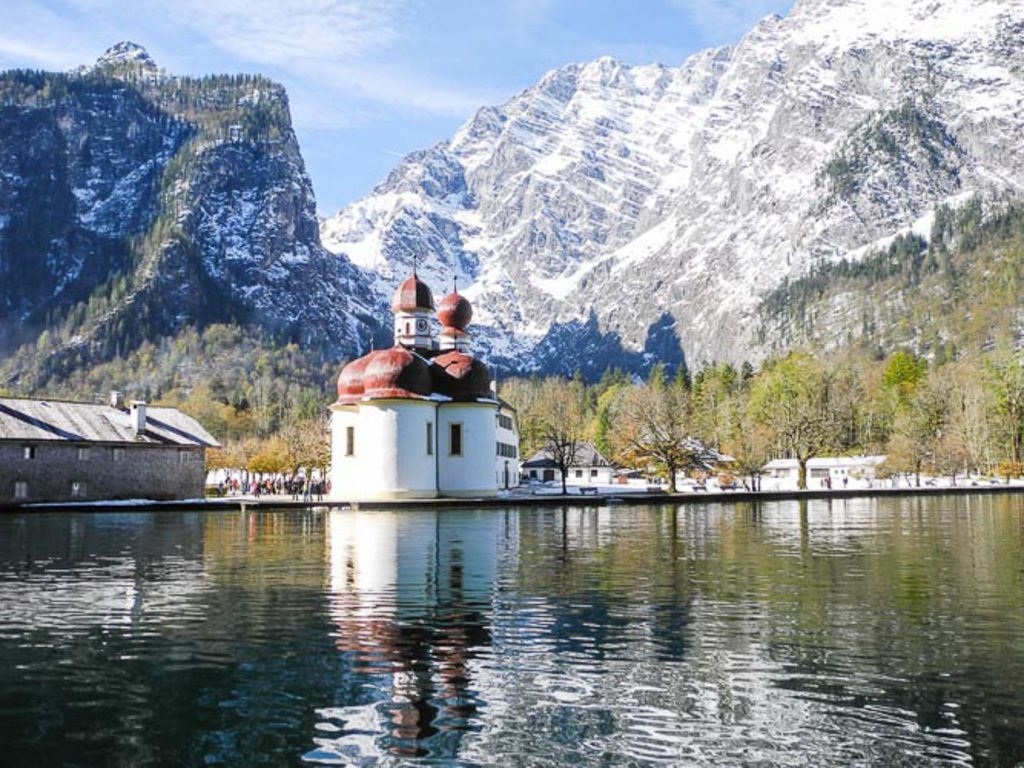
[24,419]
[587,455]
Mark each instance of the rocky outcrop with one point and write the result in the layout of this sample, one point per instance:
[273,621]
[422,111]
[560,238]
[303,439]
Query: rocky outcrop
[134,203]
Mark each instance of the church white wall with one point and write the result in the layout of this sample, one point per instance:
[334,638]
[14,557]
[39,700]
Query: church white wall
[391,448]
[344,469]
[472,473]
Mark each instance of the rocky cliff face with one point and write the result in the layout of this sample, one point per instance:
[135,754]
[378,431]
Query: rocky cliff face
[133,204]
[614,214]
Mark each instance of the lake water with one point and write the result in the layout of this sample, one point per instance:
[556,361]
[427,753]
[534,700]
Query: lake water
[863,631]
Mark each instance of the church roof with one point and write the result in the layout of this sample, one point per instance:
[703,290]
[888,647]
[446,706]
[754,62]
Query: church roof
[411,295]
[402,373]
[396,373]
[455,312]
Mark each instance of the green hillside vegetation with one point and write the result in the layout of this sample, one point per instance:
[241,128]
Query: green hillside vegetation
[956,295]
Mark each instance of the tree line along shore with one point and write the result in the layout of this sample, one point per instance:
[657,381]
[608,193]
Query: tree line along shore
[957,418]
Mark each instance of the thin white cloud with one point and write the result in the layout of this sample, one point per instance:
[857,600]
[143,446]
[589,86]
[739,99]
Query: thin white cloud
[726,21]
[340,49]
[285,31]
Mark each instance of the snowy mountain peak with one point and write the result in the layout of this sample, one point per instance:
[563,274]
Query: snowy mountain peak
[125,52]
[611,214]
[842,22]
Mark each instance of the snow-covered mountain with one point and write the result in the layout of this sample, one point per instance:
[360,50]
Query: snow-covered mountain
[613,214]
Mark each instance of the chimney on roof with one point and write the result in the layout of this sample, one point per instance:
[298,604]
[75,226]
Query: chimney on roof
[138,418]
[117,400]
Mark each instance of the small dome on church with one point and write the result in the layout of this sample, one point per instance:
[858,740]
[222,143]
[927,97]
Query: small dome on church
[396,372]
[411,295]
[461,376]
[350,382]
[455,311]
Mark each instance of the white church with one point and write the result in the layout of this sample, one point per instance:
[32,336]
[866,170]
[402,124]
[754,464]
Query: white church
[422,419]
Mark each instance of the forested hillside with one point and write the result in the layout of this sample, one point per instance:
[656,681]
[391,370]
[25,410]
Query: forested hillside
[955,294]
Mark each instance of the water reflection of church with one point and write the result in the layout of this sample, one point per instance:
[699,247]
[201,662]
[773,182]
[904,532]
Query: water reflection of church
[411,597]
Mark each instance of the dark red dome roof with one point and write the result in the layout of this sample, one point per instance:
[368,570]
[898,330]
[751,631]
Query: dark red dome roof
[396,372]
[455,311]
[411,295]
[350,382]
[460,376]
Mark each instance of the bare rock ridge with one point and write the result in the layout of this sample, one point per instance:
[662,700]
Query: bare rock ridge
[125,52]
[615,214]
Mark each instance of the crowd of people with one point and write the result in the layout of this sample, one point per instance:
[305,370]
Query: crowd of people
[299,488]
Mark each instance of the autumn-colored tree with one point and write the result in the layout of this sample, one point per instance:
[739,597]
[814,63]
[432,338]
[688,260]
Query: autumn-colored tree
[271,458]
[654,430]
[716,403]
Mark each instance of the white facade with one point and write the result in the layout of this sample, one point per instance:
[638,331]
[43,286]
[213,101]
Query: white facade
[468,471]
[589,469]
[380,450]
[823,472]
[414,449]
[577,475]
[506,465]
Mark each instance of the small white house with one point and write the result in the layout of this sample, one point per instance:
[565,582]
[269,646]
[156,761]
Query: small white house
[588,468]
[822,472]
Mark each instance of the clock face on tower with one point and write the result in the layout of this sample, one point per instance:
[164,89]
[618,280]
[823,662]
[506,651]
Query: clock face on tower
[421,325]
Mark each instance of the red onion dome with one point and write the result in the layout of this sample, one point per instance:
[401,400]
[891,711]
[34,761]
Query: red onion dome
[455,311]
[460,376]
[350,382]
[411,295]
[397,373]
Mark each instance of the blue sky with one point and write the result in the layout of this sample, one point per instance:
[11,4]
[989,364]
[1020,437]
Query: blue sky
[370,80]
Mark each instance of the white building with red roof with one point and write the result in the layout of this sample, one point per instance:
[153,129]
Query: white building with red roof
[422,419]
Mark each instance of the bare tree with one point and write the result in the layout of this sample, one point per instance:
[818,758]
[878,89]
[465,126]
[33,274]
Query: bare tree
[561,421]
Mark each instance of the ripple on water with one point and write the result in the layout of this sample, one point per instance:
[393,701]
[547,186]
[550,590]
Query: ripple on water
[858,632]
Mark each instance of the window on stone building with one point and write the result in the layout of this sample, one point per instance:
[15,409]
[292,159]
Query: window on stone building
[455,439]
[118,454]
[83,454]
[593,473]
[184,457]
[29,452]
[20,489]
[430,438]
[350,441]
[579,473]
[77,489]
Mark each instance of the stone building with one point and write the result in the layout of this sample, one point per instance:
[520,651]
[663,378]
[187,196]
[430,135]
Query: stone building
[421,419]
[53,451]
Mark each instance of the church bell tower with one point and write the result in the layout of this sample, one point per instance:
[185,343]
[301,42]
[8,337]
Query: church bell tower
[413,305]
